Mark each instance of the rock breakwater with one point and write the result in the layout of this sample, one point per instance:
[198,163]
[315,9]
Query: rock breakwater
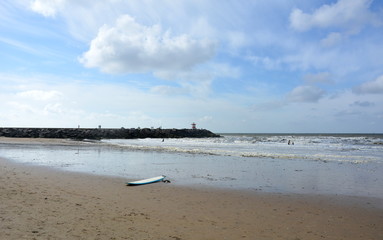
[104,133]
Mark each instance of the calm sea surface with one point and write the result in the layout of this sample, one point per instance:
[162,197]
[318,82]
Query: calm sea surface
[295,163]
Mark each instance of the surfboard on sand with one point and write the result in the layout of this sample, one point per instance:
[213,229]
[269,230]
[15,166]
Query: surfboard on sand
[146,181]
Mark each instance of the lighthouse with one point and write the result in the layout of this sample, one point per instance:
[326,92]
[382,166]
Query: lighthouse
[193,126]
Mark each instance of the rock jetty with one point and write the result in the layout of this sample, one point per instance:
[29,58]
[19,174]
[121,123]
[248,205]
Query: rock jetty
[104,133]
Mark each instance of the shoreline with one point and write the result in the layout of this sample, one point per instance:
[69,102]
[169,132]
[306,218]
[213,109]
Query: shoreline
[252,174]
[43,202]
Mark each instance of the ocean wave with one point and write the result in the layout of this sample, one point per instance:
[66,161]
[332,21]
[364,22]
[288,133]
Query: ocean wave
[238,150]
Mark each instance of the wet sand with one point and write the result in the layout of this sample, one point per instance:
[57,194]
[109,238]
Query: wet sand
[44,203]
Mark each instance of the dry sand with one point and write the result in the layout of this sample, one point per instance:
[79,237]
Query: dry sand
[43,203]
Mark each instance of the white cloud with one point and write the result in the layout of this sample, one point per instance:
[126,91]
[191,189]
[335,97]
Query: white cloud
[266,62]
[306,94]
[309,57]
[350,14]
[53,108]
[21,107]
[121,105]
[47,8]
[85,17]
[172,46]
[40,95]
[299,20]
[371,87]
[332,39]
[196,83]
[129,47]
[111,105]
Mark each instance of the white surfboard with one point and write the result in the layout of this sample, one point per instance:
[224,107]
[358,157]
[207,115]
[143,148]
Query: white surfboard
[147,181]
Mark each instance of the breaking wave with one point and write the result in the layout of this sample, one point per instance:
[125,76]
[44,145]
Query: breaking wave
[326,148]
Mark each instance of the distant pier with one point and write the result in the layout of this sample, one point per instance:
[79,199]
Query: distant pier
[104,133]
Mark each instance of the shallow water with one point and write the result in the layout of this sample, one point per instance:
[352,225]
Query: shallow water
[315,164]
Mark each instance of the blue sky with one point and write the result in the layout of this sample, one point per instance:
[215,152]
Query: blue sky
[230,66]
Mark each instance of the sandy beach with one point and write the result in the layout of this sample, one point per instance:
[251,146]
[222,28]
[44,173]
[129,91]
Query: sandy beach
[43,203]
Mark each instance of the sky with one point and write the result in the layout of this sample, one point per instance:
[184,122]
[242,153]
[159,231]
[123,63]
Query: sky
[246,66]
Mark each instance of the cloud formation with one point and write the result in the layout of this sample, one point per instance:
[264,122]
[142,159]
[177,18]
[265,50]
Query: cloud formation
[344,13]
[371,87]
[201,59]
[39,95]
[306,94]
[129,47]
[332,39]
[47,8]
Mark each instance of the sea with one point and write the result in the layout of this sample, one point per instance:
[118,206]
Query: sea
[345,164]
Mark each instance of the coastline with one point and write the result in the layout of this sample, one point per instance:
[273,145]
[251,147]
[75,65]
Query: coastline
[42,202]
[305,174]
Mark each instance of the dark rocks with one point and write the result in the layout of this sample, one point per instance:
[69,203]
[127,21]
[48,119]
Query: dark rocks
[104,133]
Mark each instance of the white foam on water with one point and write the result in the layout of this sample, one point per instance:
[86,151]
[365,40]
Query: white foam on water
[315,148]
